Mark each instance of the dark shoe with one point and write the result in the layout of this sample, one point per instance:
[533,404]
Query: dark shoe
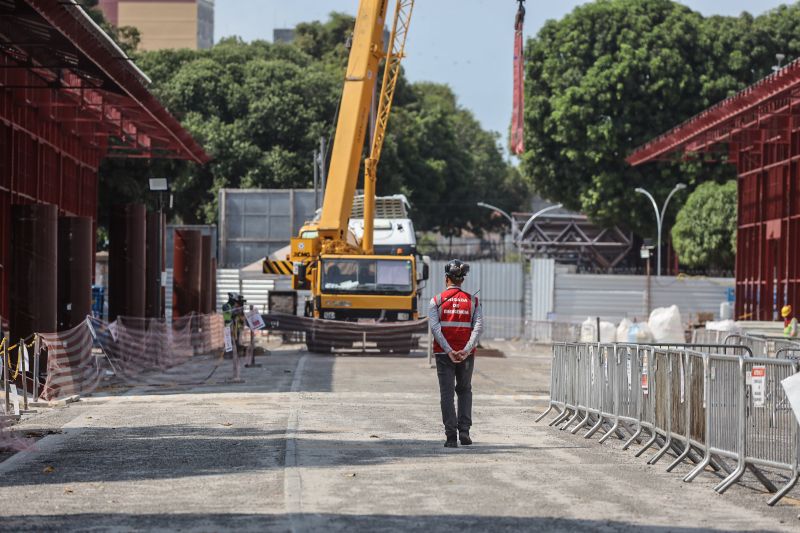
[464,437]
[451,443]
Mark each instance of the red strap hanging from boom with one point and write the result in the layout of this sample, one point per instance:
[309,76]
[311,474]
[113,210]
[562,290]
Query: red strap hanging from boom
[518,119]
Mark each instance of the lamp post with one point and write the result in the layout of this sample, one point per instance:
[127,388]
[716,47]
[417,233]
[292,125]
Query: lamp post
[779,58]
[533,218]
[507,216]
[660,217]
[160,186]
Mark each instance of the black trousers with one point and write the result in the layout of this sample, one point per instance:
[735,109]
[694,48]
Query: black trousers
[455,378]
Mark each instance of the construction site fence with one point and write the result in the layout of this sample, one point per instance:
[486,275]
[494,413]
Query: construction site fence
[713,407]
[327,335]
[130,351]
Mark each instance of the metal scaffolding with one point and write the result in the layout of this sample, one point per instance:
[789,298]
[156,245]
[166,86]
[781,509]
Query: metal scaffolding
[69,97]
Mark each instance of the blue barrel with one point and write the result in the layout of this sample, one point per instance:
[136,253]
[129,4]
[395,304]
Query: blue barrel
[98,300]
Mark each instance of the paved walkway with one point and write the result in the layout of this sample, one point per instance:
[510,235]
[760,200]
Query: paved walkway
[348,443]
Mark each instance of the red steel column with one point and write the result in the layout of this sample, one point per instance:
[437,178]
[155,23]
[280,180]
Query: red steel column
[187,272]
[34,260]
[74,270]
[126,262]
[213,284]
[205,269]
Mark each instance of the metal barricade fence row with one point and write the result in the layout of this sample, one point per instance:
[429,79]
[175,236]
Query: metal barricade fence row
[712,405]
[763,345]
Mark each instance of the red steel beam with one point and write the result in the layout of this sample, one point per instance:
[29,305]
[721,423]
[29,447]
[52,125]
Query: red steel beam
[783,84]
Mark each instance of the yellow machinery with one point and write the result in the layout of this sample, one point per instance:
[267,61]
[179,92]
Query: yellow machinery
[346,279]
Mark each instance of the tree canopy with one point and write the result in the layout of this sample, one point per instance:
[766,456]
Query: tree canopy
[704,234]
[259,109]
[613,74]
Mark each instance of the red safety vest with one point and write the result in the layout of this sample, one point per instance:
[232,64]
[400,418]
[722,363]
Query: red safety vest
[456,309]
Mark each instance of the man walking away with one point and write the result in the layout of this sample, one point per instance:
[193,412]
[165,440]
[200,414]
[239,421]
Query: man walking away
[456,321]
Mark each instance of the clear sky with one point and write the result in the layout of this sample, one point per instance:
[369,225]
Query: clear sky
[467,44]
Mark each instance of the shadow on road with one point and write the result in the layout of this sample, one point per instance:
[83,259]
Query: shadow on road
[168,452]
[322,522]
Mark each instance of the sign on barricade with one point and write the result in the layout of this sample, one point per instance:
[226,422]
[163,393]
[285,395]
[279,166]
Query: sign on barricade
[14,398]
[254,320]
[645,376]
[758,377]
[228,339]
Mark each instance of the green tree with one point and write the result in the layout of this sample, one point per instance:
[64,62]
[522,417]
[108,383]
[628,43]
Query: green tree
[704,234]
[614,74]
[127,37]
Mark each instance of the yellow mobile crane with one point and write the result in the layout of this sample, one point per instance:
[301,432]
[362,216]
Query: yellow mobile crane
[346,279]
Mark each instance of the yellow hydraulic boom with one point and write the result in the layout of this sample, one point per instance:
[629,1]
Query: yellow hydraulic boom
[362,74]
[331,234]
[396,53]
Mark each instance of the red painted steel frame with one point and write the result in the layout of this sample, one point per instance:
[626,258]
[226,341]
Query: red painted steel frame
[761,128]
[57,122]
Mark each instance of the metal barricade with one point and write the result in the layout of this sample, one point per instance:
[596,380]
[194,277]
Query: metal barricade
[718,349]
[709,408]
[587,395]
[617,397]
[759,347]
[786,349]
[722,398]
[707,336]
[771,431]
[558,380]
[788,353]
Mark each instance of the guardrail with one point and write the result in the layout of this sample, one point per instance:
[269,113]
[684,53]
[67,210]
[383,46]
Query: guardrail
[715,406]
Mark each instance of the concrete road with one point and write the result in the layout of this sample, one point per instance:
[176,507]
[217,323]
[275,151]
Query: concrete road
[348,444]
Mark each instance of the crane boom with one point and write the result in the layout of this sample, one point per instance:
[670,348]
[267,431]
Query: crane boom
[394,58]
[351,129]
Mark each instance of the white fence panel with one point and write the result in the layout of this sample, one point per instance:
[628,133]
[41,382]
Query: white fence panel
[542,290]
[502,295]
[613,298]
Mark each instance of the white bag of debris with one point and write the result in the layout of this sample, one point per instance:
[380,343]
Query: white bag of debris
[639,333]
[623,329]
[608,332]
[666,325]
[721,325]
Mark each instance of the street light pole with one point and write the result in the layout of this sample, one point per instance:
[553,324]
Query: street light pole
[660,218]
[533,218]
[507,216]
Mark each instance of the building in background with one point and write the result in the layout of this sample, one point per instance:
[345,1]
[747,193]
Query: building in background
[165,23]
[283,36]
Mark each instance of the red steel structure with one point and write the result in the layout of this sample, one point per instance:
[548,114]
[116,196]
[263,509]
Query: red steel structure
[759,131]
[69,97]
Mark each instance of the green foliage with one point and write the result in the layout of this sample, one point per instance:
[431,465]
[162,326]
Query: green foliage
[704,234]
[259,110]
[127,37]
[614,74]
